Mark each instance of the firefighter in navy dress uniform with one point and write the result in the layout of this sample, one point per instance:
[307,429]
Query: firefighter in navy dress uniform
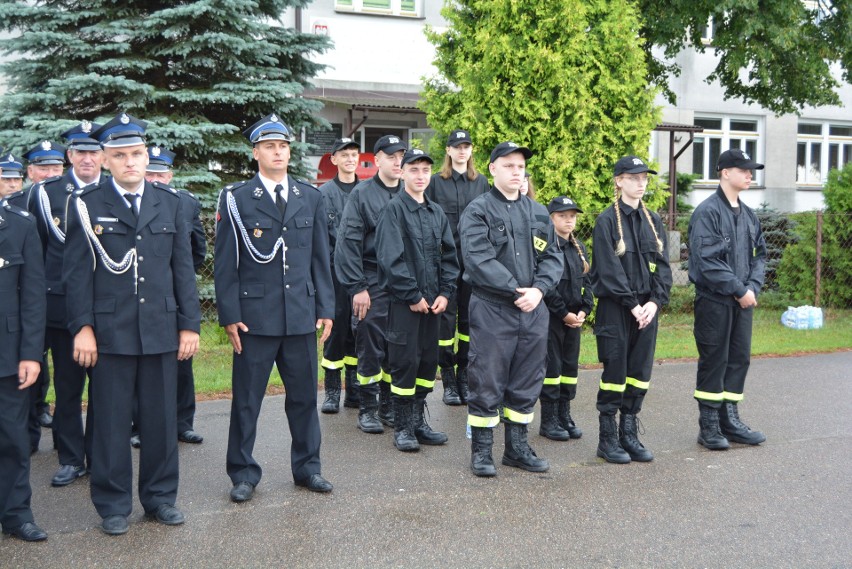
[48,202]
[273,292]
[133,309]
[22,311]
[11,174]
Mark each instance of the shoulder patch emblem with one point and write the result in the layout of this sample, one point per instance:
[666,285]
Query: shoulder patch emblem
[539,244]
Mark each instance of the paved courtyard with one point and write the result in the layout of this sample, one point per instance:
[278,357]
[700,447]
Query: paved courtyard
[786,503]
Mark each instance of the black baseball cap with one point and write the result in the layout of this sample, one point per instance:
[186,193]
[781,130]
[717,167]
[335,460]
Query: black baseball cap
[563,203]
[736,158]
[459,137]
[414,155]
[344,143]
[631,165]
[506,148]
[389,144]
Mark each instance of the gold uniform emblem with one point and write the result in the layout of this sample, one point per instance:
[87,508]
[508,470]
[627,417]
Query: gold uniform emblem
[258,233]
[56,221]
[99,229]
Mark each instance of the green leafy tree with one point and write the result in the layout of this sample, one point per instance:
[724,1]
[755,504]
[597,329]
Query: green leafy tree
[796,272]
[566,78]
[775,53]
[198,71]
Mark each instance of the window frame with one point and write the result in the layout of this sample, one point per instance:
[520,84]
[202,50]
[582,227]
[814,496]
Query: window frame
[394,8]
[805,178]
[749,141]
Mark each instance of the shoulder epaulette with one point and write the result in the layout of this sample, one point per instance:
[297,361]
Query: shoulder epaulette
[87,189]
[305,183]
[15,209]
[165,187]
[188,194]
[48,180]
[235,186]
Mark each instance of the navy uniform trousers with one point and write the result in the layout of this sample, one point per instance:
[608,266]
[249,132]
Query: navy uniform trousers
[627,355]
[339,350]
[69,380]
[455,325]
[15,491]
[412,350]
[370,339]
[296,358]
[723,338]
[508,348]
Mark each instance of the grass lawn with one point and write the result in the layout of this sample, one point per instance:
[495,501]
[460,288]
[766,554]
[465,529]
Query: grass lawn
[212,364]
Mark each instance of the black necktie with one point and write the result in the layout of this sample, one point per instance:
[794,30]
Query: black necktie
[134,204]
[279,199]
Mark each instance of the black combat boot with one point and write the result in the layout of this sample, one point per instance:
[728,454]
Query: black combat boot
[351,398]
[461,385]
[385,404]
[368,418]
[550,427]
[608,447]
[403,427]
[332,391]
[424,433]
[481,462]
[567,422]
[734,429]
[710,434]
[448,378]
[518,452]
[629,439]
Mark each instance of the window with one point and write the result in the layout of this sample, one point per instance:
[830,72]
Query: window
[707,32]
[406,8]
[720,134]
[821,147]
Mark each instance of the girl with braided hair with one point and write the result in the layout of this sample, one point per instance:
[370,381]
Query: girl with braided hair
[568,303]
[631,277]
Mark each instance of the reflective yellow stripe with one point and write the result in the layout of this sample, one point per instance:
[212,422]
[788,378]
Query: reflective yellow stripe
[351,361]
[404,392]
[565,380]
[485,422]
[368,379]
[707,396]
[425,383]
[617,387]
[445,343]
[462,337]
[515,417]
[551,381]
[328,364]
[728,396]
[386,377]
[639,384]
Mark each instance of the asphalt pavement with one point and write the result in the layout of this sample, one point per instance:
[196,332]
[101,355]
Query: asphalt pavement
[785,503]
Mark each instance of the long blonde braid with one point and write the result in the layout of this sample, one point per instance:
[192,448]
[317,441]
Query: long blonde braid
[654,229]
[620,247]
[580,252]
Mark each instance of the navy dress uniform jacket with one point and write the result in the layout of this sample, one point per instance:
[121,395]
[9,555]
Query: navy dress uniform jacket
[197,236]
[22,298]
[262,296]
[129,321]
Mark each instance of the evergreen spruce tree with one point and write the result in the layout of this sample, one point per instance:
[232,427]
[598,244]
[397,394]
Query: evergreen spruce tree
[566,78]
[198,71]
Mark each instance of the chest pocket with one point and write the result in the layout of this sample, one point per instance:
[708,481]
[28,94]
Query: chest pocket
[163,237]
[9,273]
[304,226]
[497,232]
[109,228]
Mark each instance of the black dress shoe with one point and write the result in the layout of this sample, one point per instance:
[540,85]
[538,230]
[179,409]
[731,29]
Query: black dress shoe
[135,441]
[167,514]
[315,483]
[191,437]
[242,492]
[46,420]
[67,474]
[27,532]
[115,525]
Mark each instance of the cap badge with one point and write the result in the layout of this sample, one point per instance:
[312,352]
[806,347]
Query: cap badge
[86,126]
[155,151]
[273,117]
[99,229]
[511,145]
[46,145]
[746,156]
[345,140]
[393,140]
[258,233]
[124,118]
[10,158]
[416,151]
[637,162]
[258,192]
[56,221]
[460,135]
[566,201]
